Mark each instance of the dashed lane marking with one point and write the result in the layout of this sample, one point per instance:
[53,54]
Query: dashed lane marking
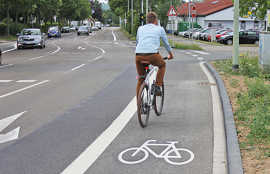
[5,81]
[77,67]
[194,55]
[26,81]
[23,89]
[200,58]
[201,52]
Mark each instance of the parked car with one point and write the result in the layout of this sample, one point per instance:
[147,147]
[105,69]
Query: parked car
[65,29]
[202,33]
[94,28]
[222,34]
[245,37]
[31,37]
[54,32]
[73,29]
[83,30]
[190,32]
[196,34]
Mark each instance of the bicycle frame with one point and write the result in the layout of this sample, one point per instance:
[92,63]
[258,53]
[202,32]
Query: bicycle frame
[149,81]
[170,145]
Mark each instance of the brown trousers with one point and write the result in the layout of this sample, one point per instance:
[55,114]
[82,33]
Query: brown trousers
[154,59]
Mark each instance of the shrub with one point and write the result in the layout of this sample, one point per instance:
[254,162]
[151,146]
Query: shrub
[3,28]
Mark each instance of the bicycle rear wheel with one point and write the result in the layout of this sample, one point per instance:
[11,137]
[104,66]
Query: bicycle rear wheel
[143,109]
[159,101]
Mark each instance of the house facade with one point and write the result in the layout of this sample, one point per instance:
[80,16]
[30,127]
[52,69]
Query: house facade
[217,13]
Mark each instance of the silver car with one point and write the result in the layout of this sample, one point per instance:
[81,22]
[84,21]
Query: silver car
[83,30]
[30,37]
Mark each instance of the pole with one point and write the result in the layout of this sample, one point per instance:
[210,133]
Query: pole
[235,60]
[142,10]
[128,5]
[132,16]
[146,7]
[189,17]
[0,56]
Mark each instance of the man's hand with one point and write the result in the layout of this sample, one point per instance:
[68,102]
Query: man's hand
[170,56]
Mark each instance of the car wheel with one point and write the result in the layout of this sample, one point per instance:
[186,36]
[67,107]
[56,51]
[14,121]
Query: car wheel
[229,42]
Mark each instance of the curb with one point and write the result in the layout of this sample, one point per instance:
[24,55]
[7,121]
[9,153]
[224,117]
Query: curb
[234,160]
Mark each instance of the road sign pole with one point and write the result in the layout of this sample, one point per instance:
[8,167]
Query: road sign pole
[142,10]
[235,60]
[132,16]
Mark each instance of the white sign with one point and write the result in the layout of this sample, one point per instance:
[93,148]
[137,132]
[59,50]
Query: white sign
[171,154]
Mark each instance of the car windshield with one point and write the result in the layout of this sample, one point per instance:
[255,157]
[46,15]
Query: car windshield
[31,32]
[52,28]
[83,28]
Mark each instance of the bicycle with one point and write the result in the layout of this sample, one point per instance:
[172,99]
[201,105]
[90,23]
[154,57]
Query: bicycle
[171,154]
[147,98]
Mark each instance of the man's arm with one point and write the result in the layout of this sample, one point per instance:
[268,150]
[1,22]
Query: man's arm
[166,43]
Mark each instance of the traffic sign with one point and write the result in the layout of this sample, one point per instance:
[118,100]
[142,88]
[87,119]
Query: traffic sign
[172,12]
[193,11]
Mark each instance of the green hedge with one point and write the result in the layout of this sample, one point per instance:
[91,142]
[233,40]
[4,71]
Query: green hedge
[3,28]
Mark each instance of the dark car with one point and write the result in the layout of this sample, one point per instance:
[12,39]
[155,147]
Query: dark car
[31,37]
[245,37]
[65,30]
[83,30]
[54,32]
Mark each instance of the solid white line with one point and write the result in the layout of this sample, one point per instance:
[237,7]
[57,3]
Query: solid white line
[12,135]
[200,58]
[4,66]
[98,57]
[15,47]
[91,153]
[201,52]
[114,37]
[77,67]
[5,81]
[194,55]
[26,81]
[57,50]
[20,90]
[219,152]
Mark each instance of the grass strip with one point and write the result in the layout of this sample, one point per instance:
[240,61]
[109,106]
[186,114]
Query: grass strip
[182,46]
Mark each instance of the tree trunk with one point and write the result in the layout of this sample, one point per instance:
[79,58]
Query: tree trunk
[8,30]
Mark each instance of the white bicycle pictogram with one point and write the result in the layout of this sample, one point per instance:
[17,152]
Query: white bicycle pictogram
[170,154]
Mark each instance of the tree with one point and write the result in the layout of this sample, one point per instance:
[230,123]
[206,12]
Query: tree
[257,7]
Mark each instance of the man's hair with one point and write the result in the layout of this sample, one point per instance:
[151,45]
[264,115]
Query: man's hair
[151,17]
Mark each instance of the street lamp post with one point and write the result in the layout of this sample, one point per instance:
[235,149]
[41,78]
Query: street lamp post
[235,60]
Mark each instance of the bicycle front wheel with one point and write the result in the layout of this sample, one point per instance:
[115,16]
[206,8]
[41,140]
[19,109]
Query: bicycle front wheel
[159,101]
[143,109]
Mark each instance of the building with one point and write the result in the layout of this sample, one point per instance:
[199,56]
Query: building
[217,13]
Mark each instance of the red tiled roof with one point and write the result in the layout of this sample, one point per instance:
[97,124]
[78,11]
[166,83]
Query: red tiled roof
[205,7]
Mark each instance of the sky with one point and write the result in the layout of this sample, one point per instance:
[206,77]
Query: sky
[103,1]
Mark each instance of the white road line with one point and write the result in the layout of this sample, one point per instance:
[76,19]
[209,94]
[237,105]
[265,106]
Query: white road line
[4,66]
[201,52]
[4,123]
[188,53]
[219,152]
[15,47]
[57,50]
[98,57]
[91,153]
[23,89]
[35,58]
[26,81]
[114,37]
[5,81]
[200,58]
[77,67]
[194,55]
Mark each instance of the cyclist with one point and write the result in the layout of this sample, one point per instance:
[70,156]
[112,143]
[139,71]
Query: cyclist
[147,49]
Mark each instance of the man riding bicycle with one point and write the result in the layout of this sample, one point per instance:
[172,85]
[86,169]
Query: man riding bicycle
[147,49]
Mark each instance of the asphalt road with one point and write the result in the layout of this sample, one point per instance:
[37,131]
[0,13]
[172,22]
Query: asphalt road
[78,113]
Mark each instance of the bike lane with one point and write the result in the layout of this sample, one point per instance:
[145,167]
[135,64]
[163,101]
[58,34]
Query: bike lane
[186,124]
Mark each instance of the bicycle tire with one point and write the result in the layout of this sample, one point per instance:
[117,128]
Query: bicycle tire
[158,107]
[143,110]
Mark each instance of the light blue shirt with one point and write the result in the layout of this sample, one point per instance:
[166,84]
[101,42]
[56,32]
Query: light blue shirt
[148,39]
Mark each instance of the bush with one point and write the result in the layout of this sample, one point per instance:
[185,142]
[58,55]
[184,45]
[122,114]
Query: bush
[3,28]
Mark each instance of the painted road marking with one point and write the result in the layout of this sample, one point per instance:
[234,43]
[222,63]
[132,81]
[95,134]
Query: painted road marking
[170,152]
[188,53]
[4,123]
[114,37]
[57,50]
[26,81]
[194,55]
[15,47]
[23,89]
[91,153]
[5,66]
[35,58]
[77,67]
[200,58]
[81,48]
[219,152]
[5,81]
[98,57]
[201,52]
